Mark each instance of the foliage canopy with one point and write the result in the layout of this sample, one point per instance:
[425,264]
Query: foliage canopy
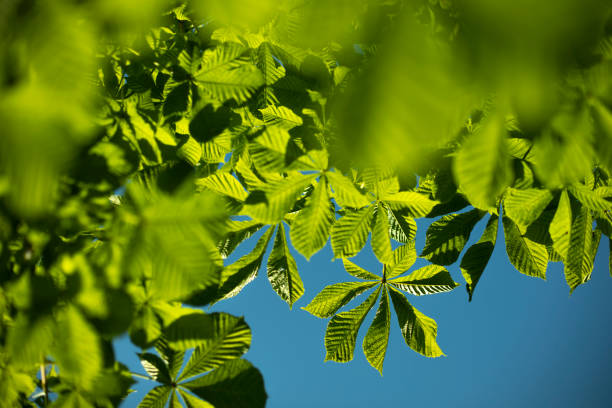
[144,141]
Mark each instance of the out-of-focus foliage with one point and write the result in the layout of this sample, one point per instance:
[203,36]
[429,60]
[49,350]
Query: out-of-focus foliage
[144,141]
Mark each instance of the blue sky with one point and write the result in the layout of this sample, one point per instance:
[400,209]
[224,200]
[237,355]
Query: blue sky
[521,341]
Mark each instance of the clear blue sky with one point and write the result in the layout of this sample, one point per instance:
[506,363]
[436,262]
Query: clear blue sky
[521,342]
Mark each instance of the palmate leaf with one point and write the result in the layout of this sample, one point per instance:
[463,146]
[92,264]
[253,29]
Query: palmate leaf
[238,231]
[223,183]
[418,330]
[477,256]
[280,117]
[482,166]
[416,204]
[225,76]
[77,349]
[310,230]
[427,280]
[525,206]
[342,329]
[273,202]
[447,236]
[401,228]
[377,338]
[235,384]
[350,233]
[156,398]
[230,339]
[333,297]
[239,274]
[527,256]
[561,225]
[381,241]
[345,192]
[403,258]
[282,270]
[580,254]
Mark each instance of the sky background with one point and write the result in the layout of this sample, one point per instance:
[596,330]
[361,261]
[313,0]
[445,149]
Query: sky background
[521,341]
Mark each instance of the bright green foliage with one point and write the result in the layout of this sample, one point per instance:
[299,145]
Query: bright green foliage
[418,330]
[146,143]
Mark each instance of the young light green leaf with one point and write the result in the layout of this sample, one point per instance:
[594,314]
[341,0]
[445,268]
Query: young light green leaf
[311,228]
[276,198]
[416,204]
[590,199]
[477,256]
[224,76]
[350,233]
[447,236]
[482,165]
[342,329]
[561,225]
[401,228]
[231,339]
[419,331]
[281,117]
[381,242]
[579,262]
[359,272]
[282,270]
[333,297]
[403,258]
[238,232]
[525,206]
[223,183]
[237,275]
[345,192]
[427,280]
[527,256]
[376,339]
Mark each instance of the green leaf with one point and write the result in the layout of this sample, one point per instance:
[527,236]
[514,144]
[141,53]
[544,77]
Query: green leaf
[269,150]
[350,233]
[281,117]
[236,384]
[156,398]
[419,331]
[224,184]
[590,199]
[342,329]
[174,359]
[239,274]
[190,151]
[527,256]
[333,297]
[231,339]
[579,262]
[427,280]
[403,258]
[238,232]
[77,350]
[561,225]
[145,328]
[447,236]
[311,228]
[401,228]
[359,272]
[477,256]
[377,337]
[194,402]
[188,331]
[381,241]
[345,192]
[482,165]
[525,206]
[155,367]
[276,198]
[416,204]
[225,76]
[282,270]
